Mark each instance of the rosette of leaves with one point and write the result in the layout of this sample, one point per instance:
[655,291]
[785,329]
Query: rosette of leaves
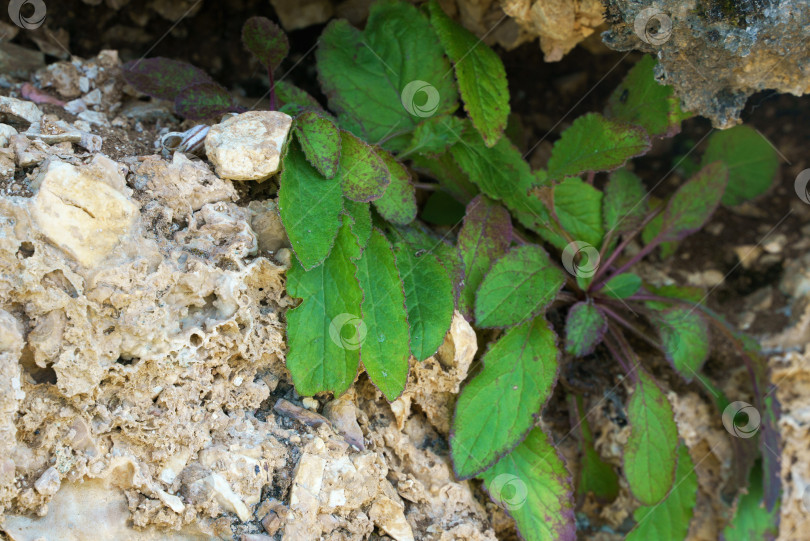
[415,94]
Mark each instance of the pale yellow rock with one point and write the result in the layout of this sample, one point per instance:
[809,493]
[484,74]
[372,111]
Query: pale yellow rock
[49,482]
[248,146]
[79,212]
[295,14]
[390,516]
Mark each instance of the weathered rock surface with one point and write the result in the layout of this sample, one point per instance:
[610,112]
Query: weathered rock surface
[716,54]
[141,352]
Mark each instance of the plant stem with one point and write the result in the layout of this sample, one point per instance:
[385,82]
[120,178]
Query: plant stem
[629,326]
[620,248]
[425,186]
[273,102]
[615,352]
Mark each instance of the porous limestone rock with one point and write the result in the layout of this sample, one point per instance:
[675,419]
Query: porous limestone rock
[147,379]
[716,54]
[248,146]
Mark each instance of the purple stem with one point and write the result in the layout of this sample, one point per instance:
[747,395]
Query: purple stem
[273,103]
[629,326]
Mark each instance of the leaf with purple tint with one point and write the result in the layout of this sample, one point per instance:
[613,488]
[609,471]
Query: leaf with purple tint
[320,140]
[519,286]
[362,174]
[484,237]
[295,100]
[694,203]
[162,78]
[769,444]
[534,486]
[398,203]
[266,41]
[584,328]
[594,143]
[684,339]
[500,405]
[204,100]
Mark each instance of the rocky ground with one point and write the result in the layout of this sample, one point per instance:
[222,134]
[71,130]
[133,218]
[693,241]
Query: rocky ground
[142,310]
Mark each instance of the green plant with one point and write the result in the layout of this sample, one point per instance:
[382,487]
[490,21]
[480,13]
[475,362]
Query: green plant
[378,287]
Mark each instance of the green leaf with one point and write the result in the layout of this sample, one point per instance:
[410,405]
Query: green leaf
[295,101]
[669,520]
[363,174]
[484,237]
[365,75]
[398,203]
[309,206]
[752,520]
[650,452]
[501,404]
[428,298]
[386,348]
[534,486]
[266,41]
[625,203]
[751,161]
[595,475]
[502,174]
[684,338]
[204,100]
[480,74]
[435,134]
[641,100]
[320,140]
[579,208]
[694,203]
[454,180]
[324,332]
[519,286]
[162,78]
[424,241]
[594,143]
[623,285]
[361,217]
[584,328]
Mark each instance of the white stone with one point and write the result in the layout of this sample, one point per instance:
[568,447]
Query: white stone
[49,482]
[248,146]
[226,497]
[26,110]
[6,131]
